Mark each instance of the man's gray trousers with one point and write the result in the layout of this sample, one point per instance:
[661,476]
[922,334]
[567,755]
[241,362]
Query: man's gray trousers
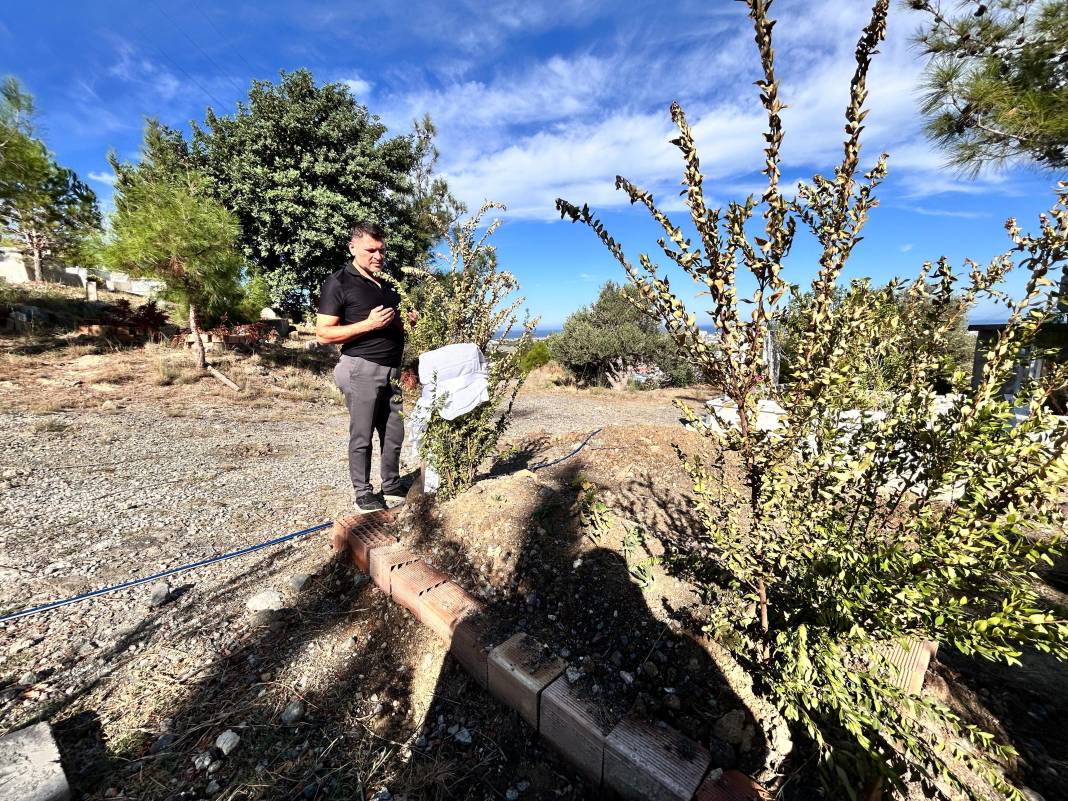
[373,396]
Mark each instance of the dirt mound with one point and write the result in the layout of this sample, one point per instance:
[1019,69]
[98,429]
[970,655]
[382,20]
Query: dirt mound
[569,547]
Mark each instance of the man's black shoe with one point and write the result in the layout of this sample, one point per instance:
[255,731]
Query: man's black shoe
[370,503]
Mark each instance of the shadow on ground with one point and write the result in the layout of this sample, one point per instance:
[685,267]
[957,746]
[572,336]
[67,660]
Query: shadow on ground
[587,607]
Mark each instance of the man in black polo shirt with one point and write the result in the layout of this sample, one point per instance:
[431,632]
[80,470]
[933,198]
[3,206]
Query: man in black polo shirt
[359,312]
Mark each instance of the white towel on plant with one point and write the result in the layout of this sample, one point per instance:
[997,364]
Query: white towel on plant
[455,378]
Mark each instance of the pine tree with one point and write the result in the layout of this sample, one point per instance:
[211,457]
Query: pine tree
[997,81]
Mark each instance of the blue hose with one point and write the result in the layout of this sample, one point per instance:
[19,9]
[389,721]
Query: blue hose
[135,582]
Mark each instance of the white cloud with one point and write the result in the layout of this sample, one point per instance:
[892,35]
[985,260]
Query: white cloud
[358,86]
[963,215]
[905,248]
[103,178]
[567,125]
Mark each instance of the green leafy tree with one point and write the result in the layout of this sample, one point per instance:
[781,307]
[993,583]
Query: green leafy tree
[45,210]
[467,301]
[20,153]
[601,341]
[536,354]
[174,231]
[830,534]
[880,372]
[997,80]
[299,162]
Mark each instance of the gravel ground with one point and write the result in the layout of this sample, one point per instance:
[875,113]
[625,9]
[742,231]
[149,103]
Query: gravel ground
[106,476]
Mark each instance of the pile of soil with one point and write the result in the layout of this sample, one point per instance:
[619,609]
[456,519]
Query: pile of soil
[570,552]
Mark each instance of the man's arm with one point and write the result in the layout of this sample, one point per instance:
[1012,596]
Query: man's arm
[329,331]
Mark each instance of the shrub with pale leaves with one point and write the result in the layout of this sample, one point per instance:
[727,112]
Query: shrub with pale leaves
[468,301]
[832,533]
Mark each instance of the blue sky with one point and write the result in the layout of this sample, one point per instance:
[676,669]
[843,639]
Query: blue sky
[535,100]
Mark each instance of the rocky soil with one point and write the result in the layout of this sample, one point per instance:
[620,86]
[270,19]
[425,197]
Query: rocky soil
[283,674]
[278,674]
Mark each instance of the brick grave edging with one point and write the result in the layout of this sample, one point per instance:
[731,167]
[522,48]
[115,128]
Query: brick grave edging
[629,757]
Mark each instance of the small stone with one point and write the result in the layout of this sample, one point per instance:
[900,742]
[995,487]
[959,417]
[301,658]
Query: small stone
[522,786]
[627,677]
[651,670]
[203,761]
[293,713]
[267,600]
[729,728]
[463,736]
[108,406]
[28,679]
[213,787]
[161,592]
[19,645]
[299,581]
[512,794]
[749,739]
[227,741]
[573,674]
[672,701]
[162,744]
[264,617]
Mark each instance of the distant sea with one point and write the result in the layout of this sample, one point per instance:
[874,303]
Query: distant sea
[542,332]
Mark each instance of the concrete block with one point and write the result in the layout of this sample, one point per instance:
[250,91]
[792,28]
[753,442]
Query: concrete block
[30,769]
[518,670]
[644,761]
[412,581]
[384,560]
[576,727]
[729,785]
[445,606]
[472,641]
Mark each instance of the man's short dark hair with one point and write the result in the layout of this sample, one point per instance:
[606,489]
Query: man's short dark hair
[368,228]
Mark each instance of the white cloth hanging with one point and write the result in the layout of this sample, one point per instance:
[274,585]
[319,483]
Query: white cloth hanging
[456,379]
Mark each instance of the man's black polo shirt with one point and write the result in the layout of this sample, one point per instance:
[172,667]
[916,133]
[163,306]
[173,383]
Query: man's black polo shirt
[351,297]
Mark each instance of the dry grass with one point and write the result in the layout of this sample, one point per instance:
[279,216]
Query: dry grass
[170,371]
[50,424]
[549,376]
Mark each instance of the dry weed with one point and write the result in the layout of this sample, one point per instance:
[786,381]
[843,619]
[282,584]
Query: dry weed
[549,376]
[50,424]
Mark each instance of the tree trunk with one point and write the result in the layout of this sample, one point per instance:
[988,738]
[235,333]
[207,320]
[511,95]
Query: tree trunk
[198,343]
[35,250]
[202,358]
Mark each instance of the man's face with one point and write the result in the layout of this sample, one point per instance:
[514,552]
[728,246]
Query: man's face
[367,252]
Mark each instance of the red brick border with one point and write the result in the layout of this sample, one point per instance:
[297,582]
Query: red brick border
[518,670]
[632,759]
[445,606]
[575,728]
[729,785]
[643,761]
[384,561]
[411,582]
